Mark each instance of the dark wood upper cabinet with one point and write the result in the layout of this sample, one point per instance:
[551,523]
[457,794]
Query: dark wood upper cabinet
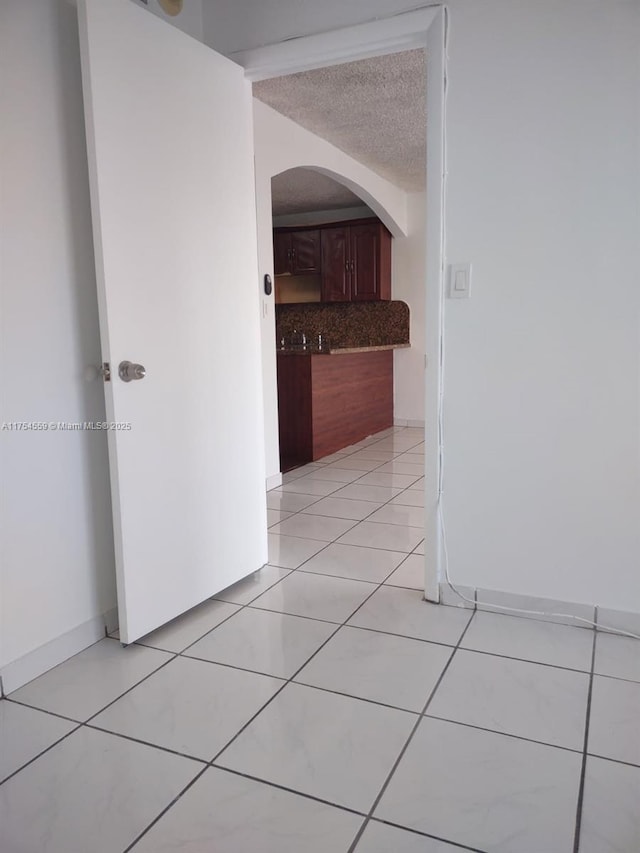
[281,253]
[296,252]
[305,248]
[356,263]
[353,258]
[336,272]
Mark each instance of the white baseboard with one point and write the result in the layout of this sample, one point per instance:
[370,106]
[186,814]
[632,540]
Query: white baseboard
[581,615]
[35,663]
[404,422]
[274,481]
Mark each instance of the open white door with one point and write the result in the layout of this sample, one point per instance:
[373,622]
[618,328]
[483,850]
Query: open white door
[170,142]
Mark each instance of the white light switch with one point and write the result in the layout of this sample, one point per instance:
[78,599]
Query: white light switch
[459,281]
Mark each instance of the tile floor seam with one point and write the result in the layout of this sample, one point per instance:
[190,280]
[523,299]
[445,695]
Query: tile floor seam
[396,764]
[523,660]
[93,726]
[612,760]
[310,538]
[158,817]
[439,643]
[40,754]
[580,786]
[583,769]
[174,655]
[341,485]
[353,482]
[304,571]
[24,704]
[339,577]
[231,666]
[85,723]
[143,742]
[344,543]
[252,718]
[405,555]
[247,603]
[455,844]
[280,787]
[338,625]
[478,728]
[353,696]
[618,677]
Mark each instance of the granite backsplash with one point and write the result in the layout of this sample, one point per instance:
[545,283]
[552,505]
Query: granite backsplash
[344,324]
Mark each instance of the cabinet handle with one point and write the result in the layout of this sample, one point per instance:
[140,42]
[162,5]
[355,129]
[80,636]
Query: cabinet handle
[353,266]
[346,266]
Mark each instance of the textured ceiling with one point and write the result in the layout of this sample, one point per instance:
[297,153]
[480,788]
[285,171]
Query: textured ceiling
[373,109]
[303,190]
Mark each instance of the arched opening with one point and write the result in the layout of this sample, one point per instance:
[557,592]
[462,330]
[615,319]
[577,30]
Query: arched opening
[333,296]
[318,189]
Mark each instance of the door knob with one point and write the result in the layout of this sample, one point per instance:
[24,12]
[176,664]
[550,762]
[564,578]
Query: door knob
[128,371]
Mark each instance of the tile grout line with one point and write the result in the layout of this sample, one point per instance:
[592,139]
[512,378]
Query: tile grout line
[174,655]
[510,735]
[403,751]
[353,482]
[612,760]
[583,769]
[251,605]
[454,844]
[87,723]
[334,541]
[503,656]
[258,712]
[80,723]
[51,746]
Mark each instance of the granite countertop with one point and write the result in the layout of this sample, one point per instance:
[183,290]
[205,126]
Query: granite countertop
[299,350]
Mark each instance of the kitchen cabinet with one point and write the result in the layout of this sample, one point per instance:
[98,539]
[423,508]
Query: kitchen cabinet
[296,252]
[353,259]
[356,263]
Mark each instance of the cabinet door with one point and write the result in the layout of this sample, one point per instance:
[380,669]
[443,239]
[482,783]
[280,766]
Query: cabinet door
[365,252]
[305,251]
[336,276]
[281,252]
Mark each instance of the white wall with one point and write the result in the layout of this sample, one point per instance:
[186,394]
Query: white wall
[280,144]
[542,389]
[409,283]
[56,546]
[189,20]
[542,471]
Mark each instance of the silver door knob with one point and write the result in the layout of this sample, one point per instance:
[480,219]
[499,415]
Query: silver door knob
[128,371]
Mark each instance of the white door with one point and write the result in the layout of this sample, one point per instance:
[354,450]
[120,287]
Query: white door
[170,142]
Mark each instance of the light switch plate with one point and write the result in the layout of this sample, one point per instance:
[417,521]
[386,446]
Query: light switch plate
[459,281]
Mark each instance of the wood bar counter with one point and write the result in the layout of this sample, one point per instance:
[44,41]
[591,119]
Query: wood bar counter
[329,400]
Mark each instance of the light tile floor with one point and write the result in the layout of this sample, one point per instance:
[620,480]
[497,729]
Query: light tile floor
[321,706]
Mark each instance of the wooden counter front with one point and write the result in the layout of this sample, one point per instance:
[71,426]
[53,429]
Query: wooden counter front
[327,402]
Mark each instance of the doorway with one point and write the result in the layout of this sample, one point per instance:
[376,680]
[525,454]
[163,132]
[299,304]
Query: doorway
[424,29]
